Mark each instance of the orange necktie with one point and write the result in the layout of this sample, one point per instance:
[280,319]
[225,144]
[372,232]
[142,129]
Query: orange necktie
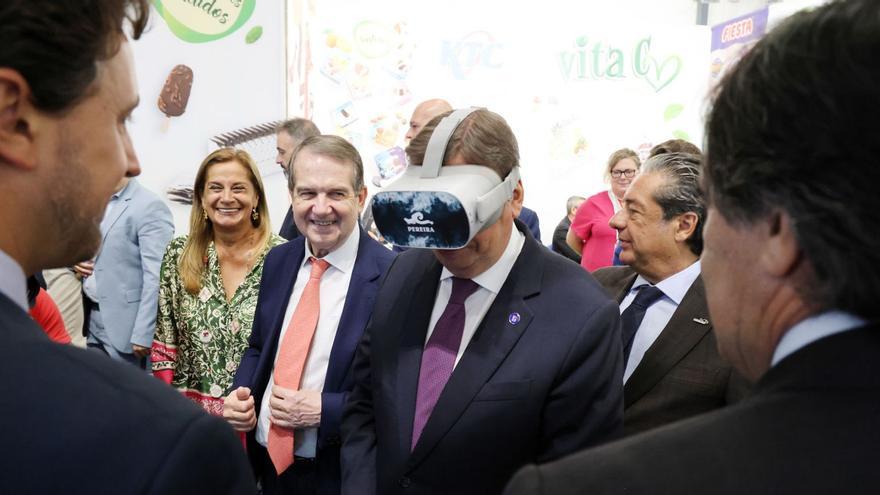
[292,359]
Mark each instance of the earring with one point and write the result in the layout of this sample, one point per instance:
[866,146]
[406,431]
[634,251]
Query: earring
[204,214]
[255,215]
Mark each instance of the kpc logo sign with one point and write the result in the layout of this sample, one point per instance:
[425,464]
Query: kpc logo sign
[477,49]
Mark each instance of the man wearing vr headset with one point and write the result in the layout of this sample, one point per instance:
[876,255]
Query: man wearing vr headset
[474,362]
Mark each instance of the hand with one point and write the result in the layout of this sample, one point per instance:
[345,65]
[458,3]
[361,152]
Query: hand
[238,409]
[84,268]
[295,408]
[140,351]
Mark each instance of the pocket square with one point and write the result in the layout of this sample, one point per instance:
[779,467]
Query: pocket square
[701,321]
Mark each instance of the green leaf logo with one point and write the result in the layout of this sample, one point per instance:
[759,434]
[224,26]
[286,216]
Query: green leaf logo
[201,21]
[672,111]
[681,135]
[253,35]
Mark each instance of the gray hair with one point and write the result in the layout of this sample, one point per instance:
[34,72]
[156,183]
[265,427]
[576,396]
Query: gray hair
[573,202]
[333,147]
[298,128]
[682,192]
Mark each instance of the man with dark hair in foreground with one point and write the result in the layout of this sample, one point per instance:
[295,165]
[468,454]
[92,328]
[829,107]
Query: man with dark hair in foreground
[78,422]
[792,270]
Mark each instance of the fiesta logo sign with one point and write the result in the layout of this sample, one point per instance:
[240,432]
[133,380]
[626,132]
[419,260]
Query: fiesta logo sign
[738,30]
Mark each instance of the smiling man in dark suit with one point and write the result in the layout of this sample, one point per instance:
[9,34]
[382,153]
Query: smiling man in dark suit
[535,369]
[792,271]
[672,368]
[296,373]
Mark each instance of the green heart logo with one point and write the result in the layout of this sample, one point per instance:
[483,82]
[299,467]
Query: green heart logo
[200,21]
[663,73]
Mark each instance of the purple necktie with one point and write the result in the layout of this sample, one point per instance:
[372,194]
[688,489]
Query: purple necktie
[438,358]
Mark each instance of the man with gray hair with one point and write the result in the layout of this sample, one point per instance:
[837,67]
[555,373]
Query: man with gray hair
[672,368]
[289,135]
[792,270]
[559,244]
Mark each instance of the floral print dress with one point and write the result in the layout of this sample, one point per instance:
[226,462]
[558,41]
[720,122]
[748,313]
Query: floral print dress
[200,338]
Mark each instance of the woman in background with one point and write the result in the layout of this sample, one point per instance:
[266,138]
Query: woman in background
[209,280]
[589,234]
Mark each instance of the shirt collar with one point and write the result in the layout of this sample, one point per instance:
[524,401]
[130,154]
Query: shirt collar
[118,194]
[13,283]
[341,258]
[676,286]
[493,278]
[812,329]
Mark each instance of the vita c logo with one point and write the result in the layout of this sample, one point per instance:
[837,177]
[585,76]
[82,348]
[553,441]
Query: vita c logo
[598,61]
[417,223]
[477,49]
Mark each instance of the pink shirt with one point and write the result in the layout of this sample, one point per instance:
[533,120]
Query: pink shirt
[590,224]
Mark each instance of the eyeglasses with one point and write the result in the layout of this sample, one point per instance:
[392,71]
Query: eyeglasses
[628,173]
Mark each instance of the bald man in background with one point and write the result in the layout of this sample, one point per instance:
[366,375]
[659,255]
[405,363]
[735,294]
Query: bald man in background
[423,113]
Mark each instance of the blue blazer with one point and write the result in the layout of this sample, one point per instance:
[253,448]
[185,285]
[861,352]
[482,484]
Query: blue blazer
[530,219]
[279,275]
[142,435]
[542,377]
[127,266]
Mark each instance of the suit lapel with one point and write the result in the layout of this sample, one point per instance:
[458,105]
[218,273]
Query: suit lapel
[490,345]
[679,336]
[620,287]
[277,297]
[117,210]
[358,305]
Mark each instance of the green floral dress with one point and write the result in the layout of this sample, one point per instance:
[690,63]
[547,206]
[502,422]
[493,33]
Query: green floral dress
[200,338]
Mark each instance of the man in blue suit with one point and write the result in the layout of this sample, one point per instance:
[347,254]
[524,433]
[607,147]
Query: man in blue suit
[327,188]
[536,369]
[121,286]
[530,219]
[78,422]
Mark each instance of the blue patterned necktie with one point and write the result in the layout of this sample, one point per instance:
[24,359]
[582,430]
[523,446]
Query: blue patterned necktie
[634,314]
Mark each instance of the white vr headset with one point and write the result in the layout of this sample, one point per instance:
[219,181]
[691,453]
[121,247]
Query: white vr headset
[437,207]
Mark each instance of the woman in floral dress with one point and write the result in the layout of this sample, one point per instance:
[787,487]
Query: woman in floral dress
[209,280]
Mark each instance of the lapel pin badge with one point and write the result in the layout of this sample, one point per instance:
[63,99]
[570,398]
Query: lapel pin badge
[701,321]
[514,318]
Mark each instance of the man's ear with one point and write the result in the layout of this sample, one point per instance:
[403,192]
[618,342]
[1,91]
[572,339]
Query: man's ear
[516,201]
[780,252]
[686,225]
[16,139]
[362,198]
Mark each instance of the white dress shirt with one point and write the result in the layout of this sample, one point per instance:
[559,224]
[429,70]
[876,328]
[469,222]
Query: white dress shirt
[812,329]
[658,314]
[333,290]
[477,305]
[13,283]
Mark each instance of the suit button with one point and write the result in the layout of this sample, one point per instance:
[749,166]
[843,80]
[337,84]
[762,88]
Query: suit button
[404,482]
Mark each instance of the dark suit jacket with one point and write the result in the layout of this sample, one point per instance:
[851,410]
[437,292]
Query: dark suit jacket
[288,228]
[560,245]
[78,422]
[540,378]
[682,374]
[530,219]
[279,275]
[809,427]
